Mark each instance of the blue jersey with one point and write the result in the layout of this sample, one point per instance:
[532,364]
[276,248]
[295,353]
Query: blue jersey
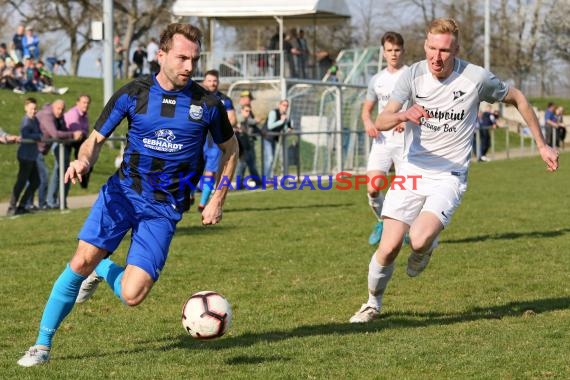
[163,157]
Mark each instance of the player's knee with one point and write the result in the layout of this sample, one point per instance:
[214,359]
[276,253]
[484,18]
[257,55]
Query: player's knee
[132,297]
[419,242]
[386,254]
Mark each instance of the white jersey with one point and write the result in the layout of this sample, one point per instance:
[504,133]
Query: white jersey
[379,89]
[443,142]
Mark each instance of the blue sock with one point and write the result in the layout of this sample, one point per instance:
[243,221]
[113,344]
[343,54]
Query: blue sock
[59,304]
[206,191]
[112,273]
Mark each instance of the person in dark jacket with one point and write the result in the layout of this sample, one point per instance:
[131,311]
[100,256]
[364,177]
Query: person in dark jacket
[27,154]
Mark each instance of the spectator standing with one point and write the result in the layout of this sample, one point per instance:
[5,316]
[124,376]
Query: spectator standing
[139,56]
[17,42]
[31,44]
[550,123]
[304,54]
[324,62]
[277,121]
[245,99]
[488,122]
[151,54]
[118,57]
[245,132]
[52,125]
[27,154]
[290,51]
[76,119]
[561,129]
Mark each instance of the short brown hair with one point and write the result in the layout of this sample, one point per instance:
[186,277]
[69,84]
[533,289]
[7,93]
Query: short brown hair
[213,72]
[189,31]
[393,38]
[30,100]
[444,26]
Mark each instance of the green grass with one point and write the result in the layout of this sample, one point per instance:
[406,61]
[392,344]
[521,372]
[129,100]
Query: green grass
[493,304]
[541,103]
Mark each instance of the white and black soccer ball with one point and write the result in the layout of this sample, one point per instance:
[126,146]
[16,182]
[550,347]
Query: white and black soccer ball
[206,315]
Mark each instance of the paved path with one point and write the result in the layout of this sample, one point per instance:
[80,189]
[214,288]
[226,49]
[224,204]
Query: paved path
[83,201]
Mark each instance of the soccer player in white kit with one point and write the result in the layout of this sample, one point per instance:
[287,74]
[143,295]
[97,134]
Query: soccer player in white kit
[444,93]
[387,146]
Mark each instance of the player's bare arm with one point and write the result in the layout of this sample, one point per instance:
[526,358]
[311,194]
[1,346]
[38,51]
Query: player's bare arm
[366,116]
[392,117]
[212,214]
[549,155]
[88,154]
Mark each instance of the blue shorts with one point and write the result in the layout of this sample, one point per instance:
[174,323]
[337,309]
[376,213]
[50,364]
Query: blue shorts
[119,209]
[212,155]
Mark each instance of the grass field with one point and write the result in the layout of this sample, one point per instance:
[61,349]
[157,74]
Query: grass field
[493,304]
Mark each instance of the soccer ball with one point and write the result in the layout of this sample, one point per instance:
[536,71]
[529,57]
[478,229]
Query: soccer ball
[206,315]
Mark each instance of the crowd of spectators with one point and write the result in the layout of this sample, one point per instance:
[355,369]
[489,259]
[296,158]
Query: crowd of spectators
[38,131]
[21,69]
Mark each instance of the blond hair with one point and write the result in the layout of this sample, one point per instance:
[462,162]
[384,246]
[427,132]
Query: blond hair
[444,26]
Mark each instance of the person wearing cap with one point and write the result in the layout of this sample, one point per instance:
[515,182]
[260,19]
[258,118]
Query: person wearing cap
[31,44]
[245,98]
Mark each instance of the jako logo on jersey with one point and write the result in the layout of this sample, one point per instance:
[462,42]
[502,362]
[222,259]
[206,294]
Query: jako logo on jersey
[196,112]
[163,141]
[169,101]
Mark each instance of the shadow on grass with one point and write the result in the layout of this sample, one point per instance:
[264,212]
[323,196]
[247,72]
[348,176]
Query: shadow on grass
[388,321]
[399,320]
[509,236]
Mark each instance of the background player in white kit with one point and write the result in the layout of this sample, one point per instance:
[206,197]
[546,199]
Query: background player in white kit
[388,146]
[444,93]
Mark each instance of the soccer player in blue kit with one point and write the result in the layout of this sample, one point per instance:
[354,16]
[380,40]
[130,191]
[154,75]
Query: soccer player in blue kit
[212,153]
[169,117]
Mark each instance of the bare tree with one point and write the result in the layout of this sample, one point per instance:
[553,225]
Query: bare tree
[73,18]
[470,20]
[135,18]
[557,29]
[520,24]
[368,20]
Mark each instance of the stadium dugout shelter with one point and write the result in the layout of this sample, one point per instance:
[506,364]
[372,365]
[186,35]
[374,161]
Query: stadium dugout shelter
[264,12]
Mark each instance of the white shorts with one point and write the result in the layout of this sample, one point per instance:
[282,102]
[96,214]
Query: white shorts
[383,153]
[441,196]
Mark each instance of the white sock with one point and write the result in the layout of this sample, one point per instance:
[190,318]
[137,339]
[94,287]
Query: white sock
[378,277]
[376,204]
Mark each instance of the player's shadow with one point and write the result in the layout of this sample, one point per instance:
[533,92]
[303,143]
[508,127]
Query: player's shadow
[398,320]
[509,236]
